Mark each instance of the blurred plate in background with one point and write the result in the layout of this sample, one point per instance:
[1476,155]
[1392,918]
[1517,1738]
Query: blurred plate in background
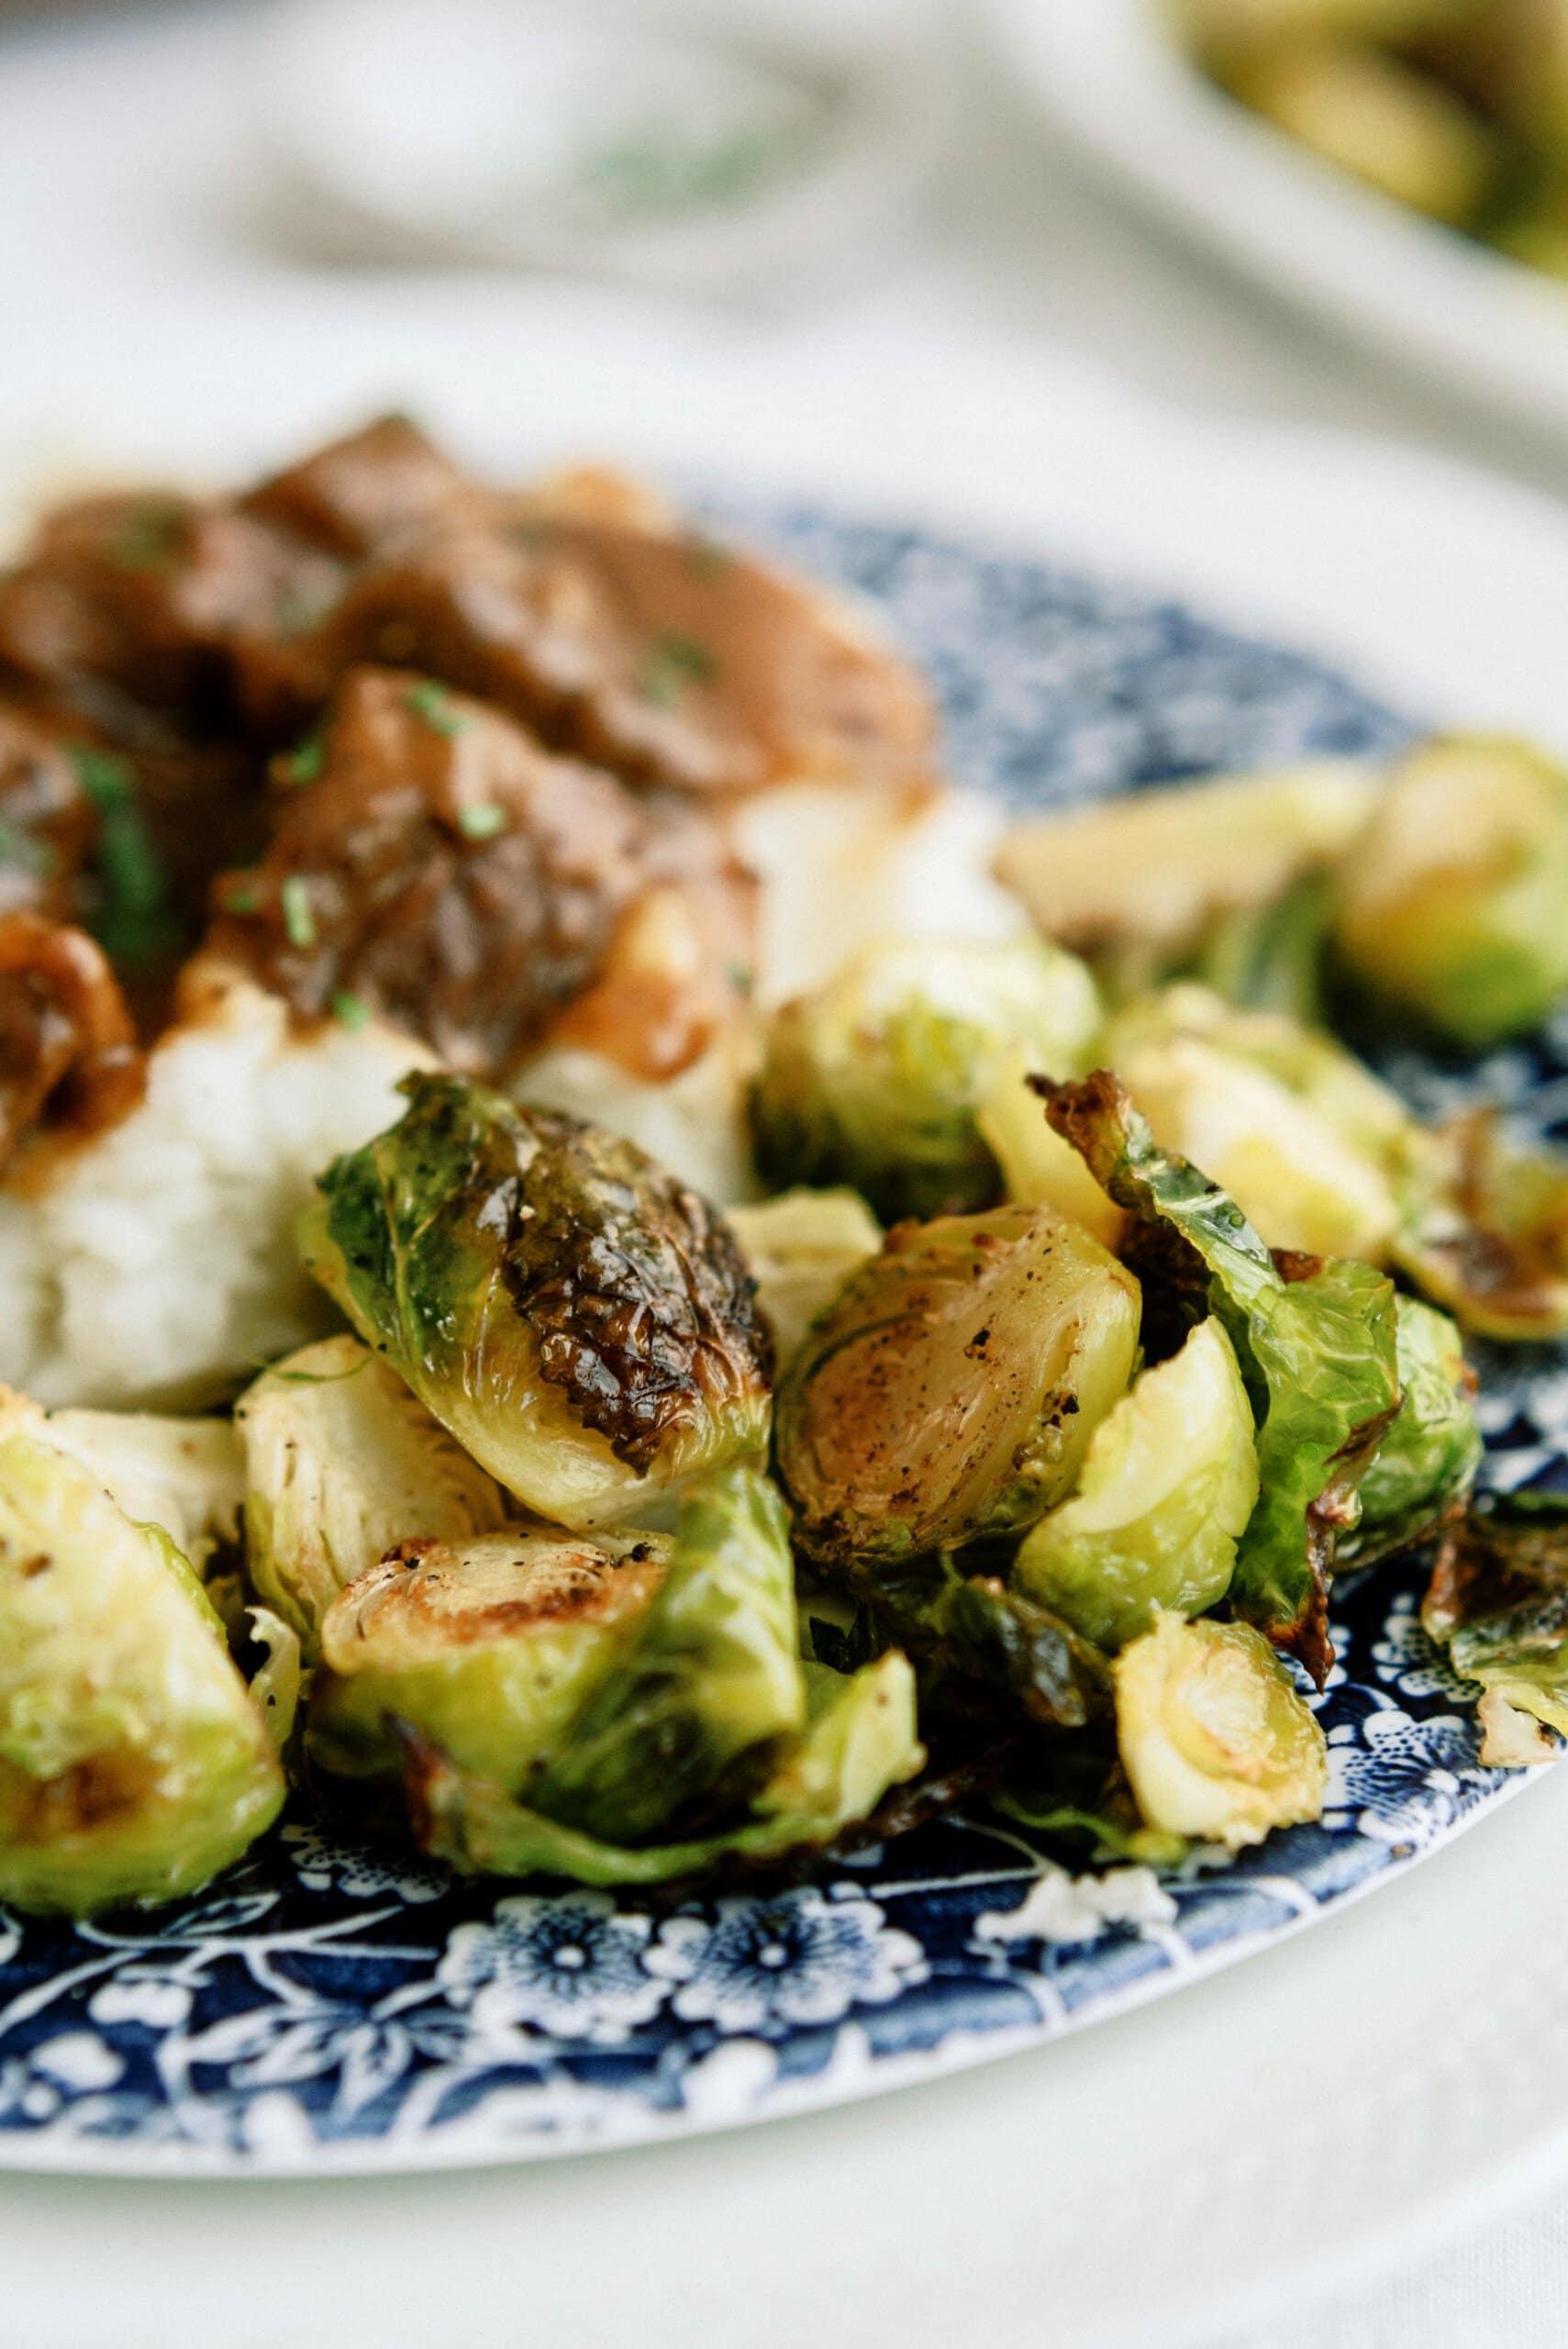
[1109,73]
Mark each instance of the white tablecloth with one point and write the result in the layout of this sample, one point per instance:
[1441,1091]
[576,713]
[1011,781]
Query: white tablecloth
[119,214]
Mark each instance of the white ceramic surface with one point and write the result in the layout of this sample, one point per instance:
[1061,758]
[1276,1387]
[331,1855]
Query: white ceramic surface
[1107,73]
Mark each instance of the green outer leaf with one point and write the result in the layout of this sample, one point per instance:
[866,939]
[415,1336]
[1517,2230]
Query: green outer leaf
[1318,1355]
[1429,1454]
[714,1672]
[1499,1600]
[859,1742]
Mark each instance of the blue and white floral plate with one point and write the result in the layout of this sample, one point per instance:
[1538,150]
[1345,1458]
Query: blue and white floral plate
[323,2008]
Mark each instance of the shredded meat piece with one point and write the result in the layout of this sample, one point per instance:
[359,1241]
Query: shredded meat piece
[356,494]
[68,1053]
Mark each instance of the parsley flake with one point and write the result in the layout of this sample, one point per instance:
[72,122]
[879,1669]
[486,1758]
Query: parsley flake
[299,922]
[673,663]
[431,702]
[481,819]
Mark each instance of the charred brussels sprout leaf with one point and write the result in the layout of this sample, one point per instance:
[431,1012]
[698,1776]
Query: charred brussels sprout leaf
[1453,906]
[713,1674]
[1498,1601]
[582,1323]
[1168,1484]
[948,1392]
[341,1462]
[1038,1168]
[859,1740]
[876,1080]
[1216,1740]
[1318,1355]
[488,1647]
[1432,1449]
[802,1247]
[990,1639]
[133,1763]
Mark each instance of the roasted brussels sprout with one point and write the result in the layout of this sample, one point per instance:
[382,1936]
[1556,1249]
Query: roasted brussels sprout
[1485,1231]
[1216,1740]
[948,1392]
[992,1650]
[1452,907]
[1498,1601]
[1316,1352]
[186,1477]
[341,1462]
[133,1763]
[859,1742]
[488,1646]
[1433,1448]
[802,1247]
[1229,21]
[875,1080]
[1138,883]
[581,1321]
[1168,1484]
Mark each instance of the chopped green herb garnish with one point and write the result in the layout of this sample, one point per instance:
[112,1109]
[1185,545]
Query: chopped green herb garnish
[675,663]
[433,704]
[303,763]
[481,819]
[352,1009]
[299,922]
[531,529]
[148,537]
[245,899]
[742,978]
[107,780]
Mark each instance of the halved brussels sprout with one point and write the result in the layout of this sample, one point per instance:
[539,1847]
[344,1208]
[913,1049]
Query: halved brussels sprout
[581,1321]
[948,1392]
[1139,881]
[858,1742]
[875,1079]
[802,1247]
[1433,1448]
[186,1477]
[1038,1168]
[340,1462]
[1498,1601]
[1168,1484]
[1216,1739]
[133,1765]
[1316,1352]
[489,1646]
[1453,906]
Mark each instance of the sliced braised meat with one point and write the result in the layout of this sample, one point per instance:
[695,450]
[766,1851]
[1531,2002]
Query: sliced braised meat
[656,653]
[68,1053]
[174,604]
[48,824]
[432,863]
[359,492]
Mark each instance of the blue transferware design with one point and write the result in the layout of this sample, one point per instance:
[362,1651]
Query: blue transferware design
[329,2006]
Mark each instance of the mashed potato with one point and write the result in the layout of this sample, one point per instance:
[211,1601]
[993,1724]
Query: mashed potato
[155,1265]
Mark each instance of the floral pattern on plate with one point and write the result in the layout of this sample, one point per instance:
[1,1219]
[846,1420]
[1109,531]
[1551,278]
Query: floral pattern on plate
[324,2006]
